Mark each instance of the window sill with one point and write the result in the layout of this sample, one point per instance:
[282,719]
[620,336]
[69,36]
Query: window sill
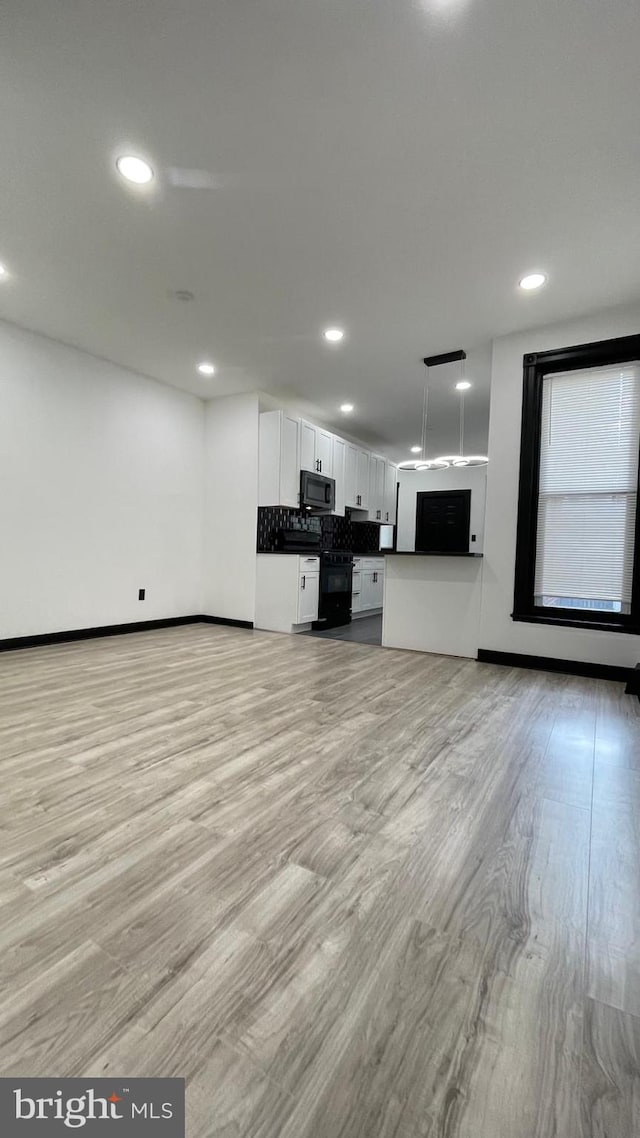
[567,622]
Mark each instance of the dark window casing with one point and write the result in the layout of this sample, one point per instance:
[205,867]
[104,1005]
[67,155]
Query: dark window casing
[536,365]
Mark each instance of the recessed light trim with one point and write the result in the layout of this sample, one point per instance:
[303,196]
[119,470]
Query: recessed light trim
[463,385]
[134,169]
[532,281]
[346,408]
[416,450]
[334,335]
[206,368]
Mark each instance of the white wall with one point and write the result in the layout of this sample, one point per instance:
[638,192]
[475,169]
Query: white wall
[231,503]
[411,483]
[101,491]
[497,630]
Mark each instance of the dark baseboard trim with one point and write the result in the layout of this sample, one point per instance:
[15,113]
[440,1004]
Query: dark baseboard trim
[45,638]
[226,620]
[550,664]
[633,682]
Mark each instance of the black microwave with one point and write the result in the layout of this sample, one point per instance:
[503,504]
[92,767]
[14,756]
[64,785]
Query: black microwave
[317,492]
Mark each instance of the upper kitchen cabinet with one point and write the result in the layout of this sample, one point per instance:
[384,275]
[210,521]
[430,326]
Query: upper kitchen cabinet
[363,478]
[356,477]
[377,467]
[316,449]
[278,465]
[339,473]
[364,481]
[390,493]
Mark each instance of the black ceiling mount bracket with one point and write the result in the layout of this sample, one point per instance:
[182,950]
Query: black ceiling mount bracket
[445,358]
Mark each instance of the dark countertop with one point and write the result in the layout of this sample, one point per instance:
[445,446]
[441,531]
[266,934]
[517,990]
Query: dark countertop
[418,553]
[317,552]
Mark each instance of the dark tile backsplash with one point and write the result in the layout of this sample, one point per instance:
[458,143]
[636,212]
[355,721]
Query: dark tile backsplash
[337,533]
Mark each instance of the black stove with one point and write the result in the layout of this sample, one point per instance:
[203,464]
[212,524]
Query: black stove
[336,581]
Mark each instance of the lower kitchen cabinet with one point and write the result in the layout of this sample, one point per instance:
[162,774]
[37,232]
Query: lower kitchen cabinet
[356,587]
[308,597]
[287,591]
[368,584]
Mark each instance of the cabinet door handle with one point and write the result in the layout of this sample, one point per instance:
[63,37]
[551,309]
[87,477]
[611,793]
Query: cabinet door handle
[320,461]
[303,583]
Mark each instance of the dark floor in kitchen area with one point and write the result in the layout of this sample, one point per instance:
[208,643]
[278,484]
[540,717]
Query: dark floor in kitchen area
[362,630]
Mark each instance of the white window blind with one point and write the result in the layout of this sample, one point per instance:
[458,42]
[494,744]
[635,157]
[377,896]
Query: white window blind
[588,488]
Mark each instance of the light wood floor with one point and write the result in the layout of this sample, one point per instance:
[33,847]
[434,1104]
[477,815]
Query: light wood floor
[344,891]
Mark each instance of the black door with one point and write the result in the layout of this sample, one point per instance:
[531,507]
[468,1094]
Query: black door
[442,521]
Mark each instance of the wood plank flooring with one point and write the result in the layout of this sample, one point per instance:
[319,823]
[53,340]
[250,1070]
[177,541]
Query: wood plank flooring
[345,892]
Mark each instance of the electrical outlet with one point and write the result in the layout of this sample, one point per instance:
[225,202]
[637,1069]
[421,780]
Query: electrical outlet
[473,537]
[141,593]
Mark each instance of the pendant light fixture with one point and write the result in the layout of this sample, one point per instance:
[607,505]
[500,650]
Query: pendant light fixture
[443,462]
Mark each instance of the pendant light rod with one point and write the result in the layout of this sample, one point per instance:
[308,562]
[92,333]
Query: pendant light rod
[462,411]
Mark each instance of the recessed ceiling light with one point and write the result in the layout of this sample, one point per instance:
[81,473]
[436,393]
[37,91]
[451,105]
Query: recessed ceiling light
[333,335]
[416,450]
[346,407]
[463,385]
[206,368]
[134,169]
[3,271]
[533,280]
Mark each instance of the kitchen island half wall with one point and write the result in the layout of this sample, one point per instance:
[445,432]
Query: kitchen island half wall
[432,602]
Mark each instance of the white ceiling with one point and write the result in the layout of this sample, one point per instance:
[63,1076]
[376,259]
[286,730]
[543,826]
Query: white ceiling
[391,167]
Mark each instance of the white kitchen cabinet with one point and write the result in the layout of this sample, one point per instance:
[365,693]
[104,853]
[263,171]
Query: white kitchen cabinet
[278,466]
[390,493]
[324,452]
[356,587]
[308,596]
[371,583]
[287,591]
[378,587]
[316,449]
[362,483]
[377,469]
[366,590]
[307,446]
[356,477]
[382,490]
[351,475]
[339,456]
[287,445]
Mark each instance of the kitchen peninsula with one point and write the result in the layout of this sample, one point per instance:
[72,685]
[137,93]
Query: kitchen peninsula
[432,602]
